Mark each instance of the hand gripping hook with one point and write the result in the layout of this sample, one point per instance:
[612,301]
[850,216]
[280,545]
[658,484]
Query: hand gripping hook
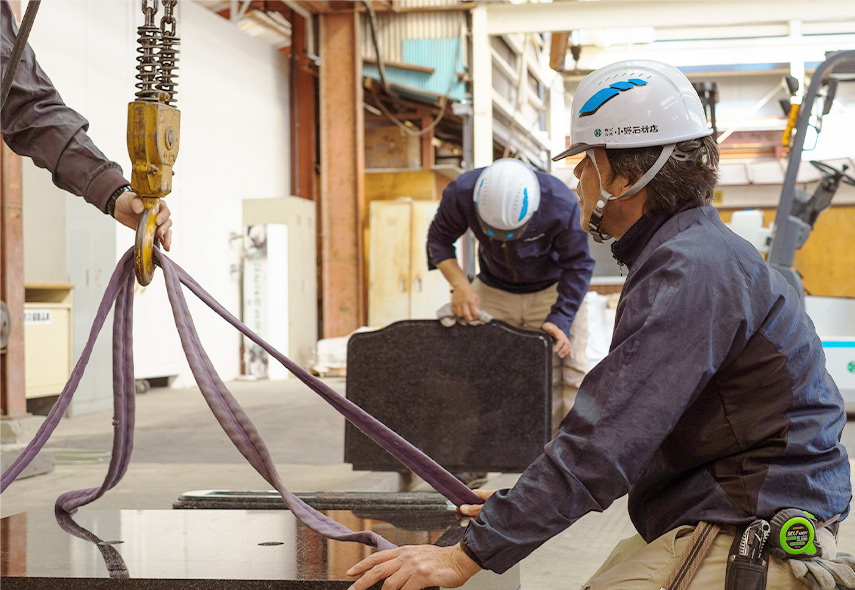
[146,241]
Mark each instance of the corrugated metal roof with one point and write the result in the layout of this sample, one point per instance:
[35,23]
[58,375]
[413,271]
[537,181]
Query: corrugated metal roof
[442,55]
[394,29]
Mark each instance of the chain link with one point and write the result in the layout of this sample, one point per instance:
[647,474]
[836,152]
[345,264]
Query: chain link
[148,40]
[157,61]
[149,8]
[168,55]
[167,23]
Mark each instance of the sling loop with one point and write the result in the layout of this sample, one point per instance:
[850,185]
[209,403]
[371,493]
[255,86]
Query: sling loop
[226,409]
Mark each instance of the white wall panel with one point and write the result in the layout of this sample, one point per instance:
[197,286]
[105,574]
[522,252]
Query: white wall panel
[233,97]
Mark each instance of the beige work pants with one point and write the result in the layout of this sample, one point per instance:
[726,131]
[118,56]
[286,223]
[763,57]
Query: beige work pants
[529,311]
[636,565]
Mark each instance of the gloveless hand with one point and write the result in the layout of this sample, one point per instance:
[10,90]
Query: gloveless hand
[468,511]
[562,343]
[413,567]
[129,208]
[465,303]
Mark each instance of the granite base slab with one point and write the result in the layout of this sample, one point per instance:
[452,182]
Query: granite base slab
[203,549]
[182,550]
[271,500]
[406,510]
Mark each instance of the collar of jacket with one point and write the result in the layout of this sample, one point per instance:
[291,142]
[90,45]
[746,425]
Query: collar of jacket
[627,250]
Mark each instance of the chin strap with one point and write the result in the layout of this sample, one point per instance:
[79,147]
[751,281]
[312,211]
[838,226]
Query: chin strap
[605,196]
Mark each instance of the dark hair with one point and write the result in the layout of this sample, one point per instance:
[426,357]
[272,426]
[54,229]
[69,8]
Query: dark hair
[687,179]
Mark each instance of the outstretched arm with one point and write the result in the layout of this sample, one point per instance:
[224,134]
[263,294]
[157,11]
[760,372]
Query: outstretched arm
[35,122]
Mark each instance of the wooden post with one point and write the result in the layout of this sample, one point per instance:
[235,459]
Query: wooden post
[428,159]
[342,202]
[13,401]
[303,117]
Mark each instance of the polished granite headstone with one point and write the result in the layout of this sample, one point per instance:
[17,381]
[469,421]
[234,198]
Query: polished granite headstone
[209,549]
[474,398]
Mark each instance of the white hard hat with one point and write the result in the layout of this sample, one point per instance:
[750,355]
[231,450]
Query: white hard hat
[506,196]
[633,104]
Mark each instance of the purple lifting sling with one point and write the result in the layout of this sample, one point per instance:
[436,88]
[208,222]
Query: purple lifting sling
[229,414]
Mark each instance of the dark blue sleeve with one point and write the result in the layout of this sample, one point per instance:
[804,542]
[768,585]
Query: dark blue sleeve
[447,226]
[577,266]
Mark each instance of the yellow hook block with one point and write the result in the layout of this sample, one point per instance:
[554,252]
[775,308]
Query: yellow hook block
[153,148]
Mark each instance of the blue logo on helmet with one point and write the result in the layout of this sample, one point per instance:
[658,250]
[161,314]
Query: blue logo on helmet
[524,205]
[604,95]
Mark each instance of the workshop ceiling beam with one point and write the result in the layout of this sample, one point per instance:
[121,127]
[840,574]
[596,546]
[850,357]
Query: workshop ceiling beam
[396,7]
[720,52]
[259,5]
[538,18]
[318,6]
[342,170]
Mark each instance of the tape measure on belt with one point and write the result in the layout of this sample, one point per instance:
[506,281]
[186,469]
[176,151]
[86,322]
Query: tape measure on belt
[794,534]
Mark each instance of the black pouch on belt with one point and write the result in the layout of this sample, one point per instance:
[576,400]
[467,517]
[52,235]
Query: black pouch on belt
[748,560]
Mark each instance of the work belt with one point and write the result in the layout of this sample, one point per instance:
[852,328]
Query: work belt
[790,534]
[699,545]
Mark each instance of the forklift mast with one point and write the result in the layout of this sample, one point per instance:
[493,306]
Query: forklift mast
[796,211]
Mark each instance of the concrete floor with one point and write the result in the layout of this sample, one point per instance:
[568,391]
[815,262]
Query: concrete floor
[179,447]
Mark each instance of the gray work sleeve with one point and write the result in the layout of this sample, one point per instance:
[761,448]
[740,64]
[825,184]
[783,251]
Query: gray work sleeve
[35,122]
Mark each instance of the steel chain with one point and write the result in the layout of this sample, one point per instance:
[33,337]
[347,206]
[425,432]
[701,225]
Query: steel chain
[168,55]
[146,58]
[149,8]
[167,23]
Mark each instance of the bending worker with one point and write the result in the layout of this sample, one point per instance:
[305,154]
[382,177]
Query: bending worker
[713,409]
[35,122]
[534,260]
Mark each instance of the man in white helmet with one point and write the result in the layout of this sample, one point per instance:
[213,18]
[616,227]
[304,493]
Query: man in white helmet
[535,265]
[713,410]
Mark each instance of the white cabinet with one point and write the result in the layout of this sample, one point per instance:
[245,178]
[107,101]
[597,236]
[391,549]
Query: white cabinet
[399,284]
[47,338]
[298,267]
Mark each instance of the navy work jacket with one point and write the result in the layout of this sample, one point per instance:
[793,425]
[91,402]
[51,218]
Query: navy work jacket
[713,404]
